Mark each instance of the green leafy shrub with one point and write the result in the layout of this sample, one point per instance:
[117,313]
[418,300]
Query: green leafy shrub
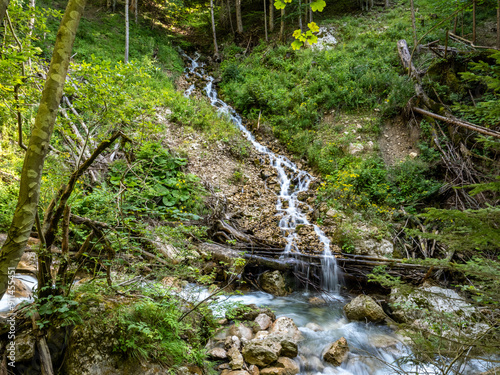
[155,185]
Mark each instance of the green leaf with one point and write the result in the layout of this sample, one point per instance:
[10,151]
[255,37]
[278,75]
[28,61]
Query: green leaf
[278,4]
[313,27]
[318,5]
[297,44]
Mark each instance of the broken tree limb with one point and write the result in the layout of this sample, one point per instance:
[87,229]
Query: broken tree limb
[457,122]
[469,42]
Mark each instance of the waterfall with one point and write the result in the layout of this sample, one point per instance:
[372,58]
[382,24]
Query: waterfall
[292,181]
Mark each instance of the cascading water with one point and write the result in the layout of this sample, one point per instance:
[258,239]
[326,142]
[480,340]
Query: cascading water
[292,181]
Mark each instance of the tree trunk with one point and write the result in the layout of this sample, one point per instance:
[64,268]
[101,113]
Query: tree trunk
[415,40]
[239,22]
[300,15]
[126,30]
[38,147]
[271,16]
[387,3]
[310,11]
[216,48]
[474,21]
[229,15]
[498,24]
[136,11]
[282,26]
[4,4]
[265,20]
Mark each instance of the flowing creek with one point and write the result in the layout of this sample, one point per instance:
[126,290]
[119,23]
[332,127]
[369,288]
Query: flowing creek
[374,349]
[292,181]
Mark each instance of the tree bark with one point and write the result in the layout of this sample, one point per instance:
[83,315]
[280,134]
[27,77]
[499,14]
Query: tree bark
[300,15]
[474,21]
[265,20]
[4,4]
[126,31]
[282,25]
[498,24]
[216,48]
[413,25]
[136,11]
[239,22]
[38,147]
[271,16]
[229,15]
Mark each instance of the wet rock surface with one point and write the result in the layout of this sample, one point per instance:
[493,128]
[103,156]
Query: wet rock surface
[364,308]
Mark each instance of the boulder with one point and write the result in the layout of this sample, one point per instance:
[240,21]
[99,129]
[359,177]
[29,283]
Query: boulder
[314,327]
[285,326]
[25,346]
[364,308]
[263,321]
[232,342]
[21,290]
[261,352]
[217,353]
[261,334]
[291,367]
[241,331]
[337,352]
[253,370]
[273,283]
[250,312]
[236,359]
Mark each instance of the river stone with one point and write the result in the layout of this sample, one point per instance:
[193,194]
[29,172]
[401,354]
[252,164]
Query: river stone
[291,367]
[273,283]
[253,370]
[217,353]
[263,321]
[337,352]
[21,290]
[25,347]
[236,359]
[286,327]
[314,327]
[364,308]
[261,352]
[250,312]
[232,342]
[261,334]
[241,331]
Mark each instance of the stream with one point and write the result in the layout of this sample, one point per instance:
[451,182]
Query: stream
[292,181]
[374,349]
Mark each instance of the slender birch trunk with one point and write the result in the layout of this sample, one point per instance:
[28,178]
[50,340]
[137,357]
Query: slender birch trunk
[38,147]
[474,21]
[415,40]
[126,31]
[300,15]
[136,11]
[265,20]
[239,22]
[216,48]
[271,16]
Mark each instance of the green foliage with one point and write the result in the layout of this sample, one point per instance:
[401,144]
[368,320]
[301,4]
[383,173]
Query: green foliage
[487,110]
[466,231]
[149,330]
[55,308]
[368,186]
[154,185]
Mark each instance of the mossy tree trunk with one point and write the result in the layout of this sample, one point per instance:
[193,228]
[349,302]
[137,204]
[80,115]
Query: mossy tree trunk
[4,4]
[38,147]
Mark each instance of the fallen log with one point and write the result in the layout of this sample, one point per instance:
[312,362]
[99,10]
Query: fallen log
[457,122]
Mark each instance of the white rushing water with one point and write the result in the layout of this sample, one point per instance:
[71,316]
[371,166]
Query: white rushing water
[292,181]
